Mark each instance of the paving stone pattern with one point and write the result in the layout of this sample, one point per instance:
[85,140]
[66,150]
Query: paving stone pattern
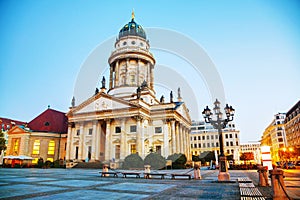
[87,184]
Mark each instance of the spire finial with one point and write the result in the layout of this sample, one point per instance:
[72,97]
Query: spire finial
[132,15]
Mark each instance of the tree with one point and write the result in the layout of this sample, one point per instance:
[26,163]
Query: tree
[247,156]
[178,160]
[133,161]
[2,141]
[155,160]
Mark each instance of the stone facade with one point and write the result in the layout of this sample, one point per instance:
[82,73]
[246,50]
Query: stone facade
[127,117]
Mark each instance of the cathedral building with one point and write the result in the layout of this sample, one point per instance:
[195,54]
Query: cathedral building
[127,117]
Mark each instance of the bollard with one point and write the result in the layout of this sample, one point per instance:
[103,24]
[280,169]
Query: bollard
[147,170]
[262,174]
[197,174]
[278,187]
[105,169]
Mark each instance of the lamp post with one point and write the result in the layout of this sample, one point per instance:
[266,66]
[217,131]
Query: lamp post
[219,123]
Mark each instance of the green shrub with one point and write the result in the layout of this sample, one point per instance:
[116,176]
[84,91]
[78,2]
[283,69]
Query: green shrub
[155,160]
[133,161]
[178,160]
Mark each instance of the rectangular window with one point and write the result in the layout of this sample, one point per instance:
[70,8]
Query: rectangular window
[158,150]
[226,136]
[217,144]
[191,138]
[36,147]
[199,137]
[118,129]
[203,145]
[213,144]
[227,144]
[237,143]
[236,136]
[231,143]
[191,145]
[78,132]
[207,137]
[203,137]
[158,130]
[195,138]
[195,145]
[16,146]
[50,159]
[208,145]
[117,152]
[51,147]
[199,145]
[90,131]
[211,137]
[133,129]
[132,149]
[230,135]
[216,136]
[228,151]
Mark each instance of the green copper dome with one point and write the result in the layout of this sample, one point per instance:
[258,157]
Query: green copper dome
[132,28]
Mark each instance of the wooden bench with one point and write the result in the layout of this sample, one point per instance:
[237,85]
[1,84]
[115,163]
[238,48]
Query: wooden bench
[244,180]
[187,175]
[148,175]
[137,174]
[104,173]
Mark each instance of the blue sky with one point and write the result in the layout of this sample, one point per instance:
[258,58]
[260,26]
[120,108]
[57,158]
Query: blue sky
[255,46]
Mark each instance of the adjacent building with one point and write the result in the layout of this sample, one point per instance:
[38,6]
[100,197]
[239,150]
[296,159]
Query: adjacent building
[252,147]
[274,136]
[43,137]
[292,129]
[126,117]
[204,137]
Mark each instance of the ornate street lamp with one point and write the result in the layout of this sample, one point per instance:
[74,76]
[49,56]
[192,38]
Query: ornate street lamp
[220,124]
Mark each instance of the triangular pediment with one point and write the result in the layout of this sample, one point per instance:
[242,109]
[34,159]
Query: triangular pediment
[183,111]
[101,102]
[17,130]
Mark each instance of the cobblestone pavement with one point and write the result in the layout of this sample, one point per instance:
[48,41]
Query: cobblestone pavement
[87,184]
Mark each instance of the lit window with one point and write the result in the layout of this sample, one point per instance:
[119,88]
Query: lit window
[133,149]
[50,159]
[51,147]
[35,161]
[36,147]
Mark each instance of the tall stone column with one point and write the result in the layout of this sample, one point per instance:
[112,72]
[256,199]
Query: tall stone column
[138,73]
[173,136]
[111,77]
[151,77]
[139,135]
[185,138]
[98,141]
[108,141]
[123,140]
[166,140]
[72,147]
[126,70]
[117,74]
[94,141]
[69,139]
[177,138]
[81,142]
[181,139]
[188,144]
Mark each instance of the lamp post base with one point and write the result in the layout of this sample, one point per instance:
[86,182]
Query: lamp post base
[223,176]
[223,173]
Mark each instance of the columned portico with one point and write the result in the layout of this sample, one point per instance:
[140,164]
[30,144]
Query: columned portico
[128,117]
